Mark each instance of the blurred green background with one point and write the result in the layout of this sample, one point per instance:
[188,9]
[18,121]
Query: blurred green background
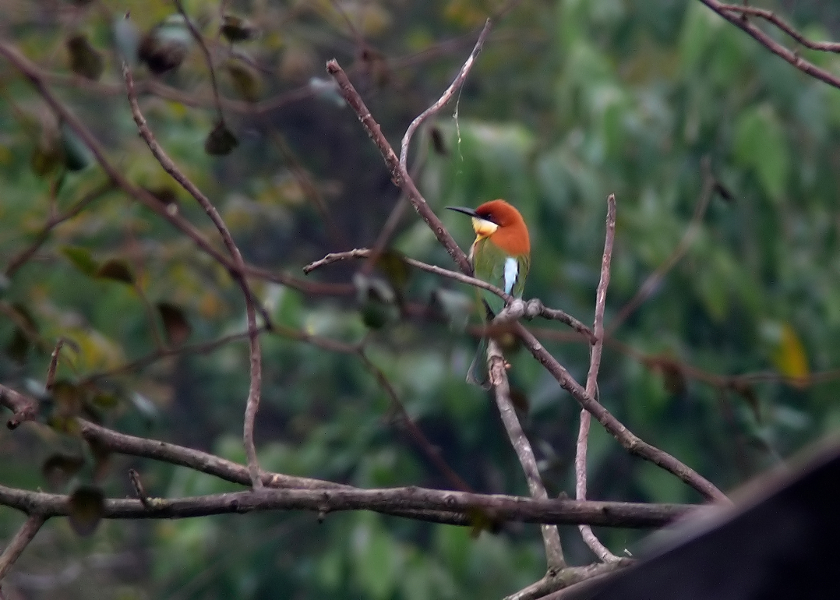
[730,364]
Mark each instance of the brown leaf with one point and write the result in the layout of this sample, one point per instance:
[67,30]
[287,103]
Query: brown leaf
[116,269]
[85,60]
[220,141]
[58,469]
[175,323]
[87,506]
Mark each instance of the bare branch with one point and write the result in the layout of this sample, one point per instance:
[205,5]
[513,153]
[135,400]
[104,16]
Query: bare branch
[445,98]
[387,501]
[208,59]
[207,347]
[37,78]
[255,355]
[121,443]
[601,551]
[771,17]
[20,259]
[139,489]
[399,176]
[54,363]
[624,436]
[411,428]
[501,391]
[737,18]
[618,430]
[25,408]
[531,309]
[32,73]
[24,535]
[565,578]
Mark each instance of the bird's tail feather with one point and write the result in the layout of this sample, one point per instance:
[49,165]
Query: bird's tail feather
[477,373]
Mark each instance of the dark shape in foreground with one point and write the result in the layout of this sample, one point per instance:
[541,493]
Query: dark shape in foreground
[781,541]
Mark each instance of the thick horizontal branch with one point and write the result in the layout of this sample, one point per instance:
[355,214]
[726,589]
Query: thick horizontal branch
[387,501]
[456,508]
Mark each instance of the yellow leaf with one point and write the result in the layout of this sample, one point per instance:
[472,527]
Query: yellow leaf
[789,358]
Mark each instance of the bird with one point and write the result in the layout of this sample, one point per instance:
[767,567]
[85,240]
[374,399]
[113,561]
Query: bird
[501,256]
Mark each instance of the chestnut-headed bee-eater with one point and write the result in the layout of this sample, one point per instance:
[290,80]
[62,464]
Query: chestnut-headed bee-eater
[500,255]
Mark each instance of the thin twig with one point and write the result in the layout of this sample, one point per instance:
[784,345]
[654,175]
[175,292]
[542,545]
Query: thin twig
[394,218]
[601,551]
[445,98]
[255,356]
[53,364]
[501,391]
[24,535]
[532,308]
[31,72]
[139,490]
[414,432]
[22,257]
[614,427]
[304,181]
[565,578]
[399,176]
[207,57]
[771,17]
[738,20]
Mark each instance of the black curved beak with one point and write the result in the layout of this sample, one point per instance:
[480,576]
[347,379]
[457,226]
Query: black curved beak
[461,209]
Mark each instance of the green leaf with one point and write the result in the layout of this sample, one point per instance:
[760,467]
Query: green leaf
[117,270]
[220,141]
[85,60]
[245,79]
[64,424]
[20,343]
[18,346]
[377,301]
[59,469]
[697,34]
[81,258]
[77,155]
[48,154]
[393,265]
[105,400]
[69,398]
[87,506]
[760,144]
[237,29]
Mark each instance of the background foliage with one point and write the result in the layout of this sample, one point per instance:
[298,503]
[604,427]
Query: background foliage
[730,364]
